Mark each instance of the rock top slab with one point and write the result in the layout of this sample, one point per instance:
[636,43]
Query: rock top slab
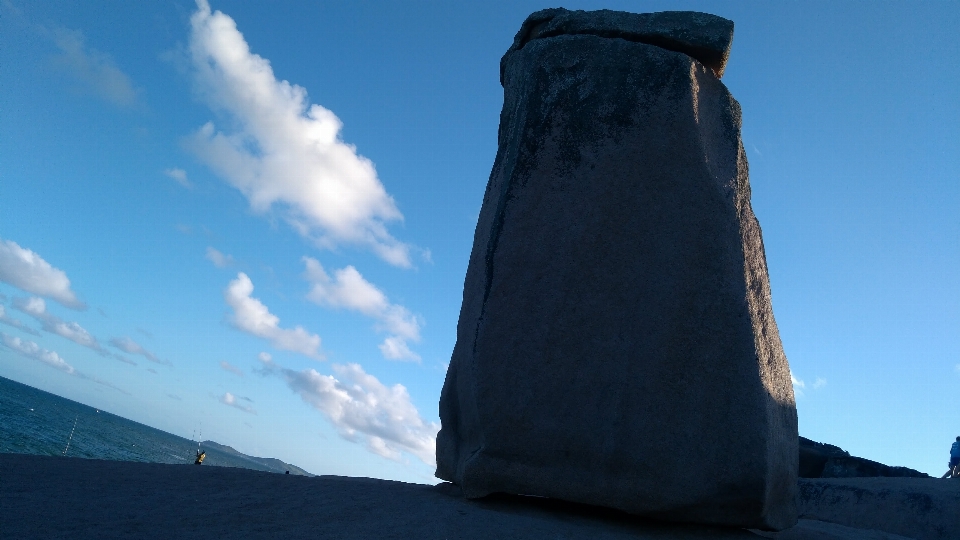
[703,36]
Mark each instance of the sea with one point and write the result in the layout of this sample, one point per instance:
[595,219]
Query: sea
[36,422]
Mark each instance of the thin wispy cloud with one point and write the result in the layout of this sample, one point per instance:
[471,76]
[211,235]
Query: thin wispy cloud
[819,383]
[219,259]
[28,272]
[30,349]
[285,152]
[130,346]
[96,70]
[250,315]
[798,385]
[180,176]
[348,289]
[231,400]
[227,366]
[10,321]
[363,409]
[37,308]
[33,351]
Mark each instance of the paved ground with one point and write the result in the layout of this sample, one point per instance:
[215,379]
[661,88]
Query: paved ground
[52,497]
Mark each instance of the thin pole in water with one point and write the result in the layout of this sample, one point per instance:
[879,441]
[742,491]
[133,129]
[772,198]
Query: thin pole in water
[65,448]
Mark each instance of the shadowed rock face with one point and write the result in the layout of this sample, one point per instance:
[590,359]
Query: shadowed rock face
[616,343]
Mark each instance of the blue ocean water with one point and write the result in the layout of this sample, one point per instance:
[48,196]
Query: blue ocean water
[36,422]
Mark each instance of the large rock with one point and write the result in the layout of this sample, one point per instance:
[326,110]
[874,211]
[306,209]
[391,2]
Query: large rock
[616,343]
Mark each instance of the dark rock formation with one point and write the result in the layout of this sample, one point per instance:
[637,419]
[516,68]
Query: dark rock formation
[616,343]
[918,508]
[819,460]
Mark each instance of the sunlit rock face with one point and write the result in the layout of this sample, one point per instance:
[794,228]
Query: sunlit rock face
[616,343]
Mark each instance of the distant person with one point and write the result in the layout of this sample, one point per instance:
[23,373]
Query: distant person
[954,459]
[202,455]
[955,454]
[288,472]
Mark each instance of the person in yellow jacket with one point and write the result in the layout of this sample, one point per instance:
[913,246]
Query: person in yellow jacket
[200,457]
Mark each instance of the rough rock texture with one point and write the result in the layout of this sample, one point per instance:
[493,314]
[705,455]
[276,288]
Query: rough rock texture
[616,343]
[702,36]
[819,460]
[919,508]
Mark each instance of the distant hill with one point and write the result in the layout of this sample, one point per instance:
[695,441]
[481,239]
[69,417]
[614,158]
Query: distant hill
[219,455]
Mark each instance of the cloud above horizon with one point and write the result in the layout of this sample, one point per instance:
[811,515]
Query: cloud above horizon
[219,259]
[37,308]
[10,321]
[347,289]
[227,366]
[180,176]
[363,409]
[29,349]
[94,69]
[130,346]
[27,271]
[285,151]
[250,315]
[231,400]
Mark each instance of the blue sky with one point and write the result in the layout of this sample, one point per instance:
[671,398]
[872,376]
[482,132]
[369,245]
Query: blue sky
[255,220]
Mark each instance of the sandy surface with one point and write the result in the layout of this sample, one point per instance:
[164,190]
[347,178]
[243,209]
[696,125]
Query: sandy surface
[52,497]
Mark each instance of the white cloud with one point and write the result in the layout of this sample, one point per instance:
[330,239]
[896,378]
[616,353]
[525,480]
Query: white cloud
[227,366]
[957,368]
[231,400]
[364,410]
[819,383]
[94,69]
[798,385]
[10,321]
[252,317]
[349,290]
[37,308]
[180,176]
[219,259]
[130,346]
[27,271]
[285,151]
[30,349]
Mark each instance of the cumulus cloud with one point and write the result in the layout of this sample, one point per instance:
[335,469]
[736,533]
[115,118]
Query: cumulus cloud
[27,271]
[252,317]
[10,321]
[219,259]
[231,400]
[130,346]
[95,69]
[347,289]
[227,366]
[364,410]
[285,151]
[180,176]
[37,308]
